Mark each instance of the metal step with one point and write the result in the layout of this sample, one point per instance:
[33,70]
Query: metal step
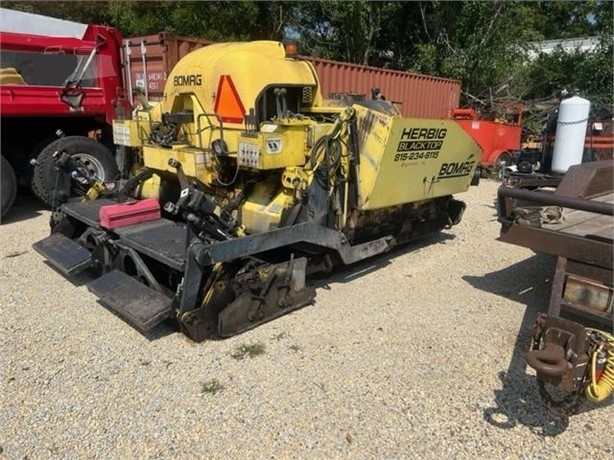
[63,253]
[138,304]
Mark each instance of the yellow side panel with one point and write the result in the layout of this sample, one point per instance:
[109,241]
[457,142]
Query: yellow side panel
[274,150]
[262,210]
[404,160]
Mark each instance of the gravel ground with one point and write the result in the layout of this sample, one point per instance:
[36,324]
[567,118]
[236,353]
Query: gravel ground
[415,354]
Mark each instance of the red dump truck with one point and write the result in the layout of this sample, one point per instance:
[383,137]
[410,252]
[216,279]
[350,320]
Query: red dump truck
[56,75]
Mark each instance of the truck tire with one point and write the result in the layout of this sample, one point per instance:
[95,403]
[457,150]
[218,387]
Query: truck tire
[8,186]
[92,154]
[504,156]
[33,155]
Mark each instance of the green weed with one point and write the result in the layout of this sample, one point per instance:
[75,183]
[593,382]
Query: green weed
[212,387]
[252,350]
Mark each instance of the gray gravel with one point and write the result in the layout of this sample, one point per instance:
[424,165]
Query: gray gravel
[416,354]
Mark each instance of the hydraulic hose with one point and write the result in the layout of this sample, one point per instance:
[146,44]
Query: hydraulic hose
[599,389]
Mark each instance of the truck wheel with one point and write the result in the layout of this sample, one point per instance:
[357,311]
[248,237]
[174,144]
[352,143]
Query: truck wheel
[8,186]
[505,156]
[92,154]
[33,155]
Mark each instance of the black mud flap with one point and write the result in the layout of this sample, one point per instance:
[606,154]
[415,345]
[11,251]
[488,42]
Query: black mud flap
[139,305]
[66,255]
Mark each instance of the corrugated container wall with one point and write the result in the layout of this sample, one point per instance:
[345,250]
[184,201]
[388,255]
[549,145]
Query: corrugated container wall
[161,52]
[416,95]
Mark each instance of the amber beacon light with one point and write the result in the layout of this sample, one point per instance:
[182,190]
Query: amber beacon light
[291,49]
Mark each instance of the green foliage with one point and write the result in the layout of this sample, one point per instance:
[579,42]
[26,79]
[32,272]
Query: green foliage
[217,21]
[250,350]
[341,30]
[588,74]
[570,19]
[77,11]
[480,43]
[211,387]
[141,18]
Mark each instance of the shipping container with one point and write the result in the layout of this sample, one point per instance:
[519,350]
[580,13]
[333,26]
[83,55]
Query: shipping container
[151,58]
[415,95]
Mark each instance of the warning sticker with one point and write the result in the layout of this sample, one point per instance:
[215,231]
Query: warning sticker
[273,145]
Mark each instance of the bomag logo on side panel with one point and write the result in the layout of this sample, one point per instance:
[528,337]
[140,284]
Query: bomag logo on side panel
[188,80]
[451,170]
[420,143]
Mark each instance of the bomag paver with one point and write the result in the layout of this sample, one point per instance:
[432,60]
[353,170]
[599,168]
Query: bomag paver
[242,182]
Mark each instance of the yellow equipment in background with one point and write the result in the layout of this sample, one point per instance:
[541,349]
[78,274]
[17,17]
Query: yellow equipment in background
[263,181]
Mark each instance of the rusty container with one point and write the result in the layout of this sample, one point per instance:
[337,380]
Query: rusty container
[421,96]
[151,58]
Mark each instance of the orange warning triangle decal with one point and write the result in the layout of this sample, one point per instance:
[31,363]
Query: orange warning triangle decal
[228,105]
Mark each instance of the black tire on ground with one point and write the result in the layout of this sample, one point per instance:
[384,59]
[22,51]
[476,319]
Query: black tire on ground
[475,180]
[92,154]
[8,186]
[26,179]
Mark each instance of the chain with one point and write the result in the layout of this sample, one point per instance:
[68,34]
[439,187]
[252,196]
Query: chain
[571,402]
[562,408]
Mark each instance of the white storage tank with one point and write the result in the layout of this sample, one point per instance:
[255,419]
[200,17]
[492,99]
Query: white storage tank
[570,134]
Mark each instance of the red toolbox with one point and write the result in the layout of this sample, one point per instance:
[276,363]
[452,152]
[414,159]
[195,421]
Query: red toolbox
[124,214]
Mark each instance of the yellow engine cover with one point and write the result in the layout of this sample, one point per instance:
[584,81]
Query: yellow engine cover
[227,78]
[404,160]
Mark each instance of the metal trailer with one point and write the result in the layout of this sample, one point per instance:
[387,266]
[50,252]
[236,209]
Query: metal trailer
[570,217]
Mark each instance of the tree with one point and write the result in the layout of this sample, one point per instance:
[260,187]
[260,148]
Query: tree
[588,74]
[217,21]
[482,43]
[382,34]
[572,19]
